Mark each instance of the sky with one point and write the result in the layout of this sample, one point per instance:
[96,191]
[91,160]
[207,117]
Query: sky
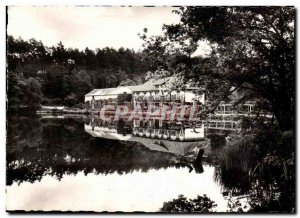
[93,27]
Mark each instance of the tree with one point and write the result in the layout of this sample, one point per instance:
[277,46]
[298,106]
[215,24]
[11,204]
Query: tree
[55,85]
[23,92]
[65,75]
[14,89]
[80,84]
[33,93]
[59,53]
[181,204]
[253,52]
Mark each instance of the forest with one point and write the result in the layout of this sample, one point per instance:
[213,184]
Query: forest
[40,75]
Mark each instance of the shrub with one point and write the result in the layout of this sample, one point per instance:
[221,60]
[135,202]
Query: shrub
[181,204]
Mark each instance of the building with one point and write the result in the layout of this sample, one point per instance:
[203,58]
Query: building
[155,91]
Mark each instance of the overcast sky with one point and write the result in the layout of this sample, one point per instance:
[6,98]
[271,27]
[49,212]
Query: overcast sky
[93,27]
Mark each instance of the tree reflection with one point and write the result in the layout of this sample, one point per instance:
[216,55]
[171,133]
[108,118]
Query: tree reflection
[37,147]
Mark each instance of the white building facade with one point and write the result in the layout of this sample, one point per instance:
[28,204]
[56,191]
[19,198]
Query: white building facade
[155,91]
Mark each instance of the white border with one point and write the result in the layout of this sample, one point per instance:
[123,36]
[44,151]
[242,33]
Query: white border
[3,3]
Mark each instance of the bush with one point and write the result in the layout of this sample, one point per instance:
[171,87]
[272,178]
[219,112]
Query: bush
[52,102]
[79,106]
[181,204]
[71,100]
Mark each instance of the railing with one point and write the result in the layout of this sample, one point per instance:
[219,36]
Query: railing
[222,125]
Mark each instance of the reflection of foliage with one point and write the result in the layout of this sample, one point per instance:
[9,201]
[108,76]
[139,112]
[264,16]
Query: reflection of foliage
[182,204]
[37,147]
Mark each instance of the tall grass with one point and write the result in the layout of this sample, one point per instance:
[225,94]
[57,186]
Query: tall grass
[239,154]
[235,162]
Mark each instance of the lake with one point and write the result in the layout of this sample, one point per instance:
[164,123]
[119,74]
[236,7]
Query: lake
[79,163]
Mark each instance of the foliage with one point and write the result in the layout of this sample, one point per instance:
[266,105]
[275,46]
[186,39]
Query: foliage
[252,53]
[65,75]
[216,141]
[235,160]
[24,92]
[260,165]
[201,204]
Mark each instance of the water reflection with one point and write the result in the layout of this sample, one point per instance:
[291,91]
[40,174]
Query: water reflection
[130,192]
[157,135]
[80,163]
[58,147]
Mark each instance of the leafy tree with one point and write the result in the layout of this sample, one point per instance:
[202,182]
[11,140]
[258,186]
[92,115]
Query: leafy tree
[33,93]
[24,92]
[253,52]
[201,204]
[66,74]
[14,89]
[71,99]
[54,82]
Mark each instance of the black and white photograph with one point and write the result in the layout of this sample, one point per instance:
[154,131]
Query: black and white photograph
[150,109]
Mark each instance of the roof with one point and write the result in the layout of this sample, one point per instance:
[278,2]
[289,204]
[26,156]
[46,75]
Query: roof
[161,81]
[109,91]
[106,91]
[147,86]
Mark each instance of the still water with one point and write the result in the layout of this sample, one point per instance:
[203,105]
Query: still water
[78,164]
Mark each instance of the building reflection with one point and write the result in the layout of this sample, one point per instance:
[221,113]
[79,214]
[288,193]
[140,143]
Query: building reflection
[160,135]
[38,147]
